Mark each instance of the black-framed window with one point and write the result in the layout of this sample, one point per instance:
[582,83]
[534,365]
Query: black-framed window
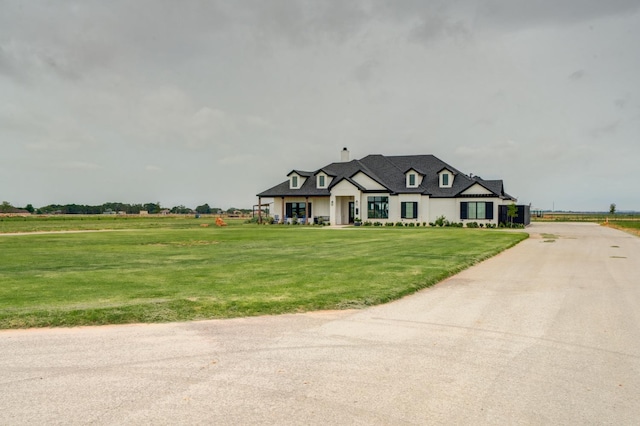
[378,207]
[445,179]
[412,180]
[476,210]
[321,181]
[296,210]
[294,181]
[409,210]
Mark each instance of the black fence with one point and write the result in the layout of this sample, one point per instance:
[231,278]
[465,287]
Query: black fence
[523,216]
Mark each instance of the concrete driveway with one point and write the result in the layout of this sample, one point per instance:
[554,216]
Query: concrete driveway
[545,333]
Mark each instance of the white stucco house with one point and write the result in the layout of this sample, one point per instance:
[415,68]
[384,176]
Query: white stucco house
[377,188]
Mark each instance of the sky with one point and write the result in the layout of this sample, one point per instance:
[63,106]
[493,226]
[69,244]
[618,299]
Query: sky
[193,102]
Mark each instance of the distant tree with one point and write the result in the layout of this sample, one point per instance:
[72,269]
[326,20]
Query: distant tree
[512,212]
[612,208]
[134,208]
[6,207]
[180,210]
[203,209]
[152,208]
[30,208]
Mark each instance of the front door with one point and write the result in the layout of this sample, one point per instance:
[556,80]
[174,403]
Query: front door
[351,212]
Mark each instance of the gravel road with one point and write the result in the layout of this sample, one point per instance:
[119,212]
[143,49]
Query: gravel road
[547,332]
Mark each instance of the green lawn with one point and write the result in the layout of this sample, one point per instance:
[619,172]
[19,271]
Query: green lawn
[626,224]
[632,227]
[173,269]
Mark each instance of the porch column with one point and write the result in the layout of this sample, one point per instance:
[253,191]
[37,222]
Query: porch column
[282,209]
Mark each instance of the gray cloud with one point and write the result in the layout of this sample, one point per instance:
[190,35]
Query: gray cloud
[522,13]
[576,75]
[165,100]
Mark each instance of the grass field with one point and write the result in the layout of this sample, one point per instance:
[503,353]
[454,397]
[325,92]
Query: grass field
[155,270]
[584,217]
[633,227]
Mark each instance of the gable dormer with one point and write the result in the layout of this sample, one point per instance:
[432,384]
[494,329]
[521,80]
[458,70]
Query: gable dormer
[445,178]
[296,180]
[322,180]
[413,178]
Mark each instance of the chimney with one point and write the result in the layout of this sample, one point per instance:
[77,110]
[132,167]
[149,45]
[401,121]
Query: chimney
[344,155]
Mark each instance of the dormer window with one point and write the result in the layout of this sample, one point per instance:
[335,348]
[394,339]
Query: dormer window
[322,180]
[446,178]
[413,178]
[297,179]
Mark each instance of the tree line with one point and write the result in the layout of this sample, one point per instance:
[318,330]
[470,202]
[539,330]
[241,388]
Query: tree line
[116,208]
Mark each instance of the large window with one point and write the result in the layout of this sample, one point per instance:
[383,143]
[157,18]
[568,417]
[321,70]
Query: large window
[378,207]
[476,210]
[296,210]
[409,210]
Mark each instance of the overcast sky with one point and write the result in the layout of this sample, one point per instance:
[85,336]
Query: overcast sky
[193,102]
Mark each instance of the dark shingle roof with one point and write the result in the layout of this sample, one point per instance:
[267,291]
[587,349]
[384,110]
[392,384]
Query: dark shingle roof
[389,171]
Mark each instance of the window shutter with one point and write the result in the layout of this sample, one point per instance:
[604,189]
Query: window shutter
[289,210]
[403,208]
[463,210]
[489,210]
[415,210]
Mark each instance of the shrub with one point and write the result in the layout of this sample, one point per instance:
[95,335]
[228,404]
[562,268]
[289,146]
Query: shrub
[432,224]
[440,221]
[399,224]
[367,223]
[411,224]
[377,223]
[388,224]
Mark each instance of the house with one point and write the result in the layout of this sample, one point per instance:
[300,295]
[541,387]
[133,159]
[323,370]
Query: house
[378,188]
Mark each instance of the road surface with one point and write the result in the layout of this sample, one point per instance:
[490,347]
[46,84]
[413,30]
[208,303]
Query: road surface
[547,332]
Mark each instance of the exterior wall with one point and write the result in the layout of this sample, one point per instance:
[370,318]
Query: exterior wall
[476,190]
[277,209]
[320,206]
[423,208]
[429,209]
[367,182]
[447,207]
